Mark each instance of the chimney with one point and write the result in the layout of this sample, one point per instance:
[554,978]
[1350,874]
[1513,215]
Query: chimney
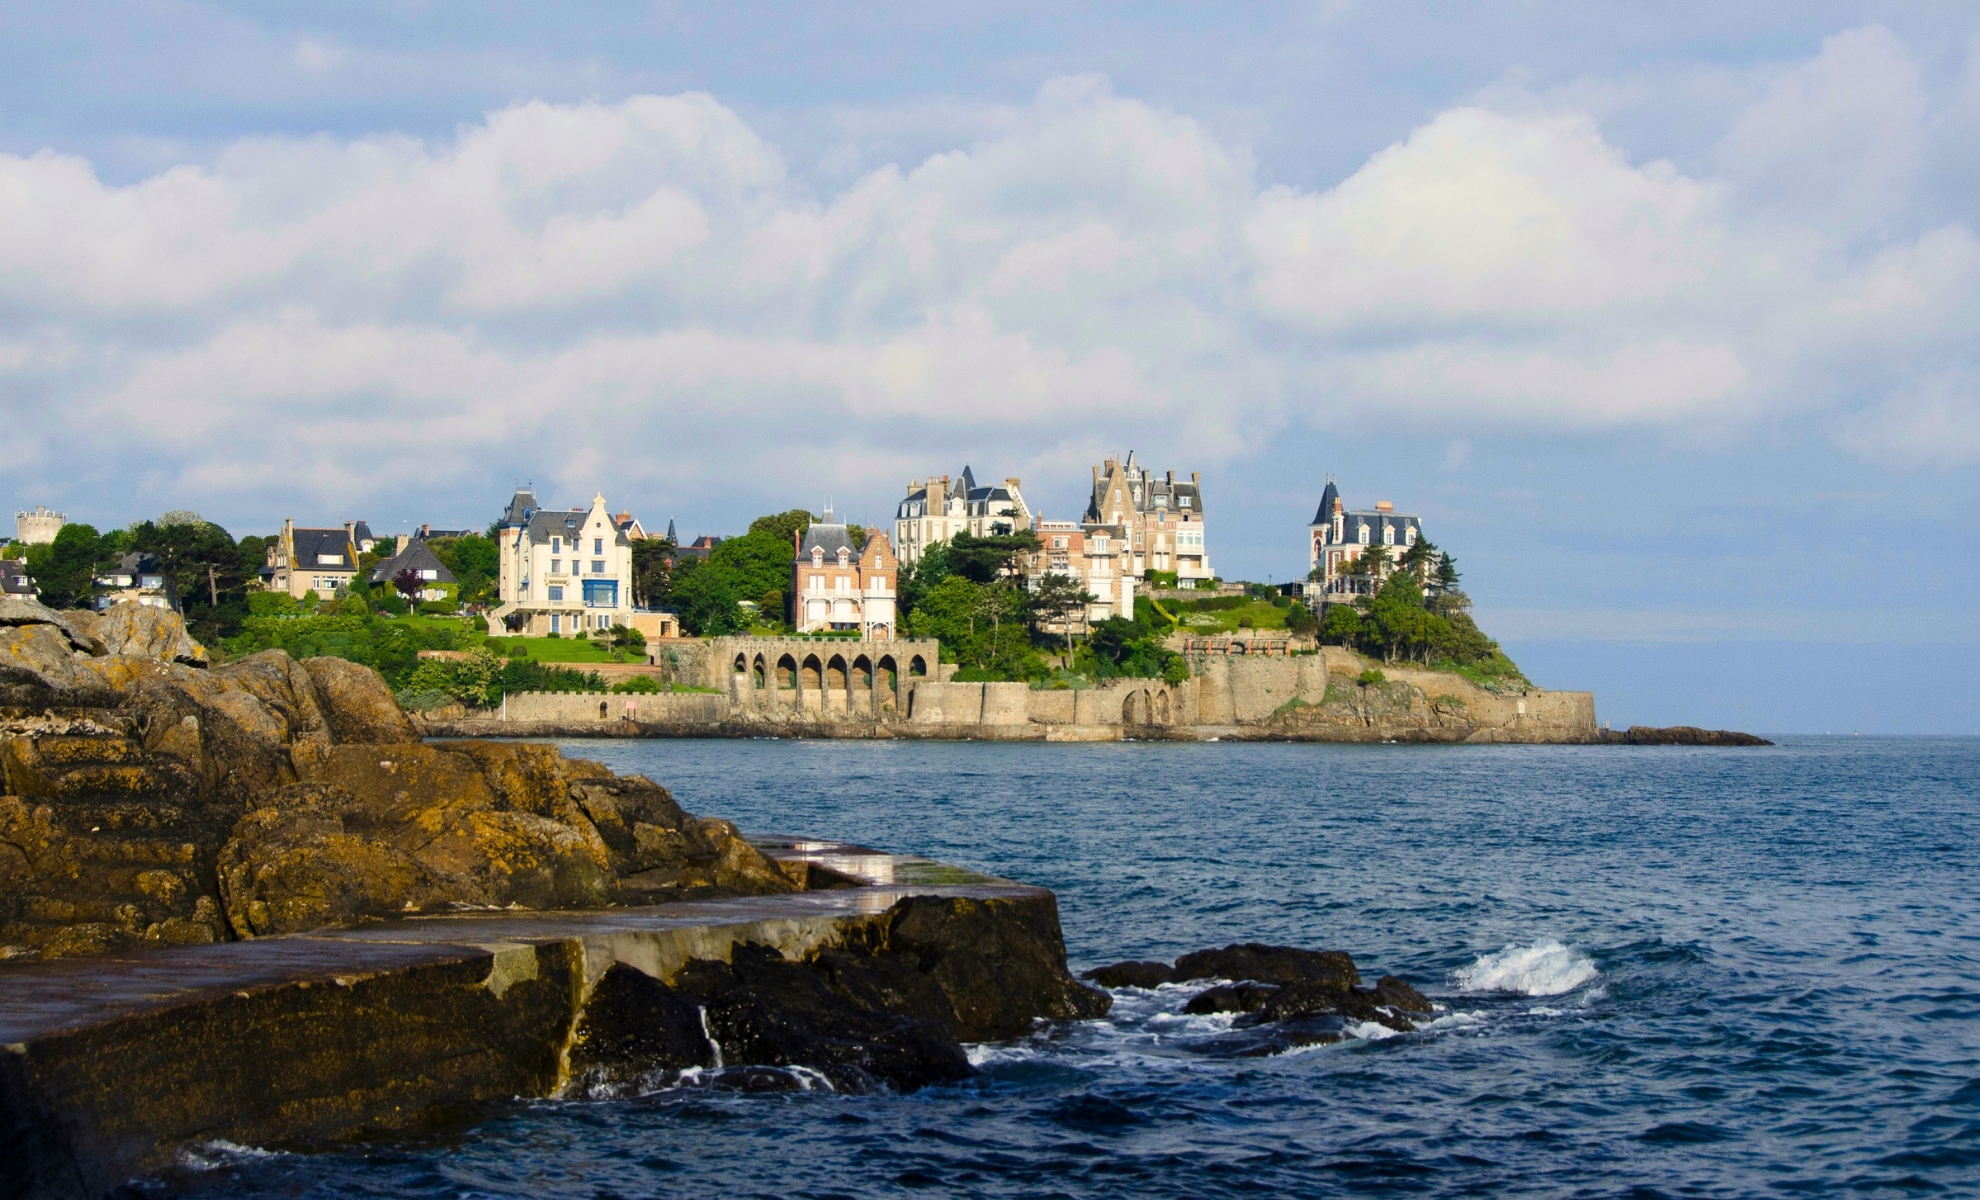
[1384,506]
[404,540]
[1196,477]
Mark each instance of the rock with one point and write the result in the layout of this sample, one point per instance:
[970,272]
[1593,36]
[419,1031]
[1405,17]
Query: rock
[1232,997]
[634,1030]
[1001,964]
[293,866]
[357,704]
[145,799]
[763,1010]
[1131,974]
[1682,735]
[1269,964]
[132,630]
[1395,993]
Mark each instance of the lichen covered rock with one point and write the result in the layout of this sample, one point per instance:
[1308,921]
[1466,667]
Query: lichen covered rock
[146,798]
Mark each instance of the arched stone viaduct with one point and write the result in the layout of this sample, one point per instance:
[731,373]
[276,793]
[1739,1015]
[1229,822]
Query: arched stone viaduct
[821,677]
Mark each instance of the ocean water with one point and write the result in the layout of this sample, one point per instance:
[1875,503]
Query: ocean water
[1661,972]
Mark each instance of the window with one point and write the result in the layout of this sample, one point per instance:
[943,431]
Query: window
[429,573]
[598,547]
[556,566]
[598,566]
[601,593]
[556,545]
[556,593]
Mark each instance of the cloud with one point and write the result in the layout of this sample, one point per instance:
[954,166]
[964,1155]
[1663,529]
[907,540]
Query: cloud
[643,288]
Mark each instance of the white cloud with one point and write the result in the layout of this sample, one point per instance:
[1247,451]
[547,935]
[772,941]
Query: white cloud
[563,285]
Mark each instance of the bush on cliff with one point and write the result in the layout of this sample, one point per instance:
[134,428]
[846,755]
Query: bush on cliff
[480,679]
[1402,624]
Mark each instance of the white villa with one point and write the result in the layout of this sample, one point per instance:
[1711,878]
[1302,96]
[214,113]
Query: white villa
[563,571]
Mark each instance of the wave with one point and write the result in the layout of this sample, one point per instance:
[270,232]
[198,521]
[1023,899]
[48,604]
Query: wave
[1545,968]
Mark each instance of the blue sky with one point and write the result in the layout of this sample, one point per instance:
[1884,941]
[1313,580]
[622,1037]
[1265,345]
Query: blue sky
[1663,317]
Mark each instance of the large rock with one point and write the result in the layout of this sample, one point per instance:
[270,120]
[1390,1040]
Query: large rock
[140,631]
[1000,964]
[147,799]
[357,704]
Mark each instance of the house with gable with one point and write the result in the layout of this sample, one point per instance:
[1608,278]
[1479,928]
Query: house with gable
[837,588]
[1339,536]
[1158,518]
[416,556]
[936,511]
[563,571]
[324,561]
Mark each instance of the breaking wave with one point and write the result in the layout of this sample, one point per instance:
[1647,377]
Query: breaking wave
[1545,968]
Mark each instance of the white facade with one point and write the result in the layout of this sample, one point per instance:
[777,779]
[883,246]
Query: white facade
[563,571]
[936,511]
[1098,559]
[38,528]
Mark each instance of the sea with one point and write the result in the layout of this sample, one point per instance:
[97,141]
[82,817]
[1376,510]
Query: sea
[1659,971]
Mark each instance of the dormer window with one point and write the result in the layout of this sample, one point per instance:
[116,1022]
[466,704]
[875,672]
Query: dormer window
[1364,535]
[845,556]
[817,556]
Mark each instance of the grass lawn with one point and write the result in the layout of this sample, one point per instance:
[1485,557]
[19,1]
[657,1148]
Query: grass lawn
[559,650]
[1263,614]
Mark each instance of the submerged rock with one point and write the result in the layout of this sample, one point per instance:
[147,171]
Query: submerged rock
[1681,735]
[1279,985]
[1132,974]
[1269,964]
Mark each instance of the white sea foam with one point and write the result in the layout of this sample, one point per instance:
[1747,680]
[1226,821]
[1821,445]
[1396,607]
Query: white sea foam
[1369,1031]
[1545,968]
[211,1156]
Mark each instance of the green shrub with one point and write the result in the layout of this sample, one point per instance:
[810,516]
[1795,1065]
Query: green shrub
[353,606]
[440,608]
[1371,675]
[272,604]
[638,685]
[393,604]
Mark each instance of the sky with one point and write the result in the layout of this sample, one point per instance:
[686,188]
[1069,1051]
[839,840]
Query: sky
[1662,317]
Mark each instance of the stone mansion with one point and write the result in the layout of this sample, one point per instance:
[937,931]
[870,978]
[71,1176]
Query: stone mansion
[1338,537]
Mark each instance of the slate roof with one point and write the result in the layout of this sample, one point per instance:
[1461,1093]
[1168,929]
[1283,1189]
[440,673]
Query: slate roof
[829,538]
[316,548]
[14,579]
[415,557]
[521,505]
[1324,515]
[1375,522]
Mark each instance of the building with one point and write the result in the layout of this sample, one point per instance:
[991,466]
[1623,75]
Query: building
[1095,558]
[1338,537]
[939,509]
[835,587]
[1161,518]
[14,579]
[563,571]
[324,561]
[135,579]
[38,528]
[414,555]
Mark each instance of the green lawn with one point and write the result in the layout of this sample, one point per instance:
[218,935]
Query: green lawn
[1263,614]
[559,650]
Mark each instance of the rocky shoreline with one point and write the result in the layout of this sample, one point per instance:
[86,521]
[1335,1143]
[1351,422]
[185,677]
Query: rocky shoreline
[251,902]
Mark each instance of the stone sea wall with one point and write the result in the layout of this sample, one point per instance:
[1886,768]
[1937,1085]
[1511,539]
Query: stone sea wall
[1310,697]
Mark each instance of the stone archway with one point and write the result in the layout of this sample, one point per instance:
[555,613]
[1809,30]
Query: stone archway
[787,673]
[757,674]
[917,667]
[1135,708]
[889,682]
[835,673]
[811,683]
[1162,707]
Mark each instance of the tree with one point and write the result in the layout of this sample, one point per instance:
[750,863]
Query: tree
[409,584]
[916,580]
[1341,626]
[65,569]
[982,559]
[705,596]
[476,564]
[785,526]
[1058,599]
[653,562]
